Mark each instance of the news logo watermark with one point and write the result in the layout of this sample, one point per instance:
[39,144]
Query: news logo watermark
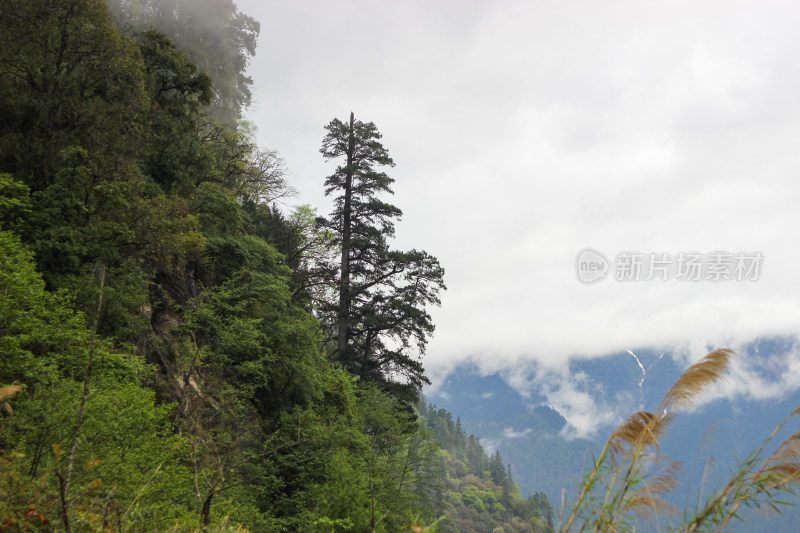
[593,266]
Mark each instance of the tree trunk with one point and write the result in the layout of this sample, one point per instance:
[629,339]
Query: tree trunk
[344,283]
[206,512]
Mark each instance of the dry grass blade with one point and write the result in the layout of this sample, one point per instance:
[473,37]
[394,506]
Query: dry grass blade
[785,462]
[696,377]
[621,469]
[666,480]
[641,429]
[649,505]
[9,391]
[646,500]
[778,472]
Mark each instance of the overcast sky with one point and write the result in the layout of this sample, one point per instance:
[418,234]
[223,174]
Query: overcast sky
[524,132]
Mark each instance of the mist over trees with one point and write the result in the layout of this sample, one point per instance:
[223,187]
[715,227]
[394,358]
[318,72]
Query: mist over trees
[179,352]
[213,34]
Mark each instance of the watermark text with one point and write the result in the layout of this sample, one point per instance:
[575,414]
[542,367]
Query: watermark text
[592,266]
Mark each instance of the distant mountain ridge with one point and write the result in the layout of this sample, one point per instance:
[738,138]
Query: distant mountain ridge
[546,454]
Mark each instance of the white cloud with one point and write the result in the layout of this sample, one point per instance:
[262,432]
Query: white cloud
[573,395]
[490,445]
[760,377]
[509,433]
[525,131]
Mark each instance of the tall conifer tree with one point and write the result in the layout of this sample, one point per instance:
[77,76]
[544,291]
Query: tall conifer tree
[380,316]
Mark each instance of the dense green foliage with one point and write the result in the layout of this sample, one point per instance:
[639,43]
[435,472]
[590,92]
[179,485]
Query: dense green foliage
[478,492]
[542,459]
[178,354]
[162,366]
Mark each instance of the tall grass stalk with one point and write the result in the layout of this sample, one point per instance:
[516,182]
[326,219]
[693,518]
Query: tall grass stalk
[630,477]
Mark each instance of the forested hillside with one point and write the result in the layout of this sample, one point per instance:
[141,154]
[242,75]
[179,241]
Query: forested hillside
[178,352]
[479,492]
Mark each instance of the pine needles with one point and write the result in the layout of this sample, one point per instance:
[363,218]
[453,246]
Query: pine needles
[630,477]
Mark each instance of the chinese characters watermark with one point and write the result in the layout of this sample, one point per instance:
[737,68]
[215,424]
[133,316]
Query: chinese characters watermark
[592,266]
